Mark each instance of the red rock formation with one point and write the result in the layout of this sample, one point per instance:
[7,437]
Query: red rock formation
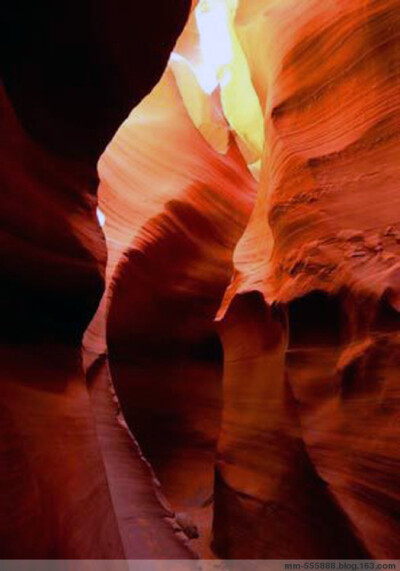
[343,370]
[318,152]
[172,224]
[292,460]
[146,523]
[71,72]
[282,429]
[321,242]
[53,490]
[270,501]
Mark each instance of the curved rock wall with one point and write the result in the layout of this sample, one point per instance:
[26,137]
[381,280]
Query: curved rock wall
[306,461]
[321,247]
[71,72]
[175,208]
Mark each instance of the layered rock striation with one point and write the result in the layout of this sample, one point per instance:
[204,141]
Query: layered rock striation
[238,391]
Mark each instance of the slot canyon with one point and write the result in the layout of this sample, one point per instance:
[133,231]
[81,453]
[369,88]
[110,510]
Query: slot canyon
[200,262]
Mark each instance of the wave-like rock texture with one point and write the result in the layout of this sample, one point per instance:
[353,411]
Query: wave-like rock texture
[71,72]
[175,208]
[308,460]
[327,204]
[272,433]
[302,410]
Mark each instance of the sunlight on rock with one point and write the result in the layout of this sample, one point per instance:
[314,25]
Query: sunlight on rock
[223,71]
[100,217]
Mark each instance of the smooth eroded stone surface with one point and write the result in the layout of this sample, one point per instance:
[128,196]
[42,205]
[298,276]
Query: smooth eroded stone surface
[175,208]
[343,363]
[327,208]
[269,499]
[54,496]
[323,245]
[145,521]
[279,425]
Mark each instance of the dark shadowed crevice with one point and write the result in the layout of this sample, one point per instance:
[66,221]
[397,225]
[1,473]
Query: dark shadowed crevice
[270,500]
[315,319]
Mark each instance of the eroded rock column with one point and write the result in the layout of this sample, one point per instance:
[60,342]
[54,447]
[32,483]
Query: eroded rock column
[269,500]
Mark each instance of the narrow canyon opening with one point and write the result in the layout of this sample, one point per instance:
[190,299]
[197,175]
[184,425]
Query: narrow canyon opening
[227,173]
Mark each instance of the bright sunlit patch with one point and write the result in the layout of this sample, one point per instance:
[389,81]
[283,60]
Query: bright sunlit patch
[224,65]
[200,105]
[212,17]
[100,217]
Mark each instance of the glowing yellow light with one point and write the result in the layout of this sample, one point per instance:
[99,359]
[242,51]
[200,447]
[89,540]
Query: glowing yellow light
[199,105]
[223,65]
[212,18]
